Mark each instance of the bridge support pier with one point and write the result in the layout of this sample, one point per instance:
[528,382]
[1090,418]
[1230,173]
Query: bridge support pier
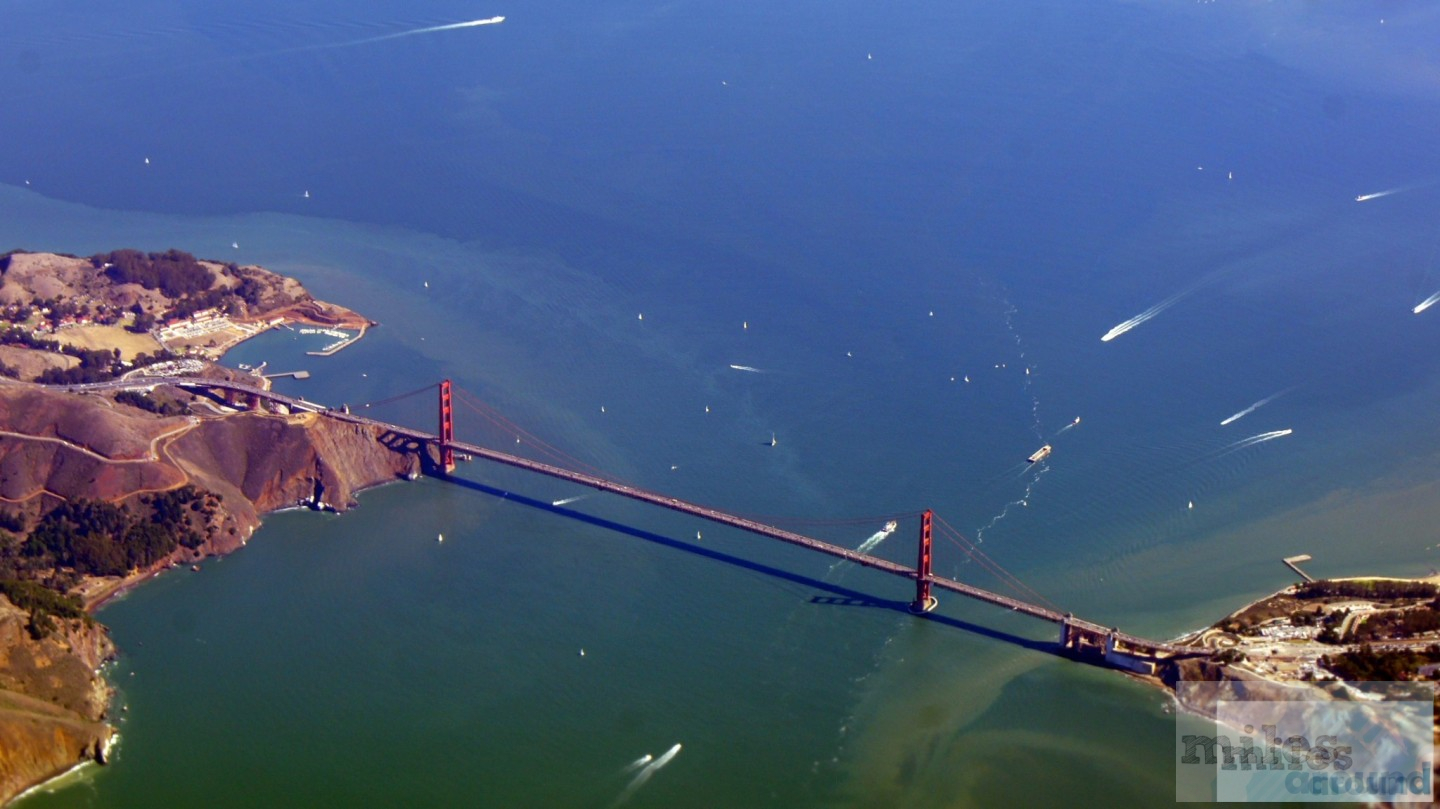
[1080,641]
[924,602]
[447,429]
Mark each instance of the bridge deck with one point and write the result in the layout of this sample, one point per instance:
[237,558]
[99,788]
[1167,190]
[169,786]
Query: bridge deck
[672,503]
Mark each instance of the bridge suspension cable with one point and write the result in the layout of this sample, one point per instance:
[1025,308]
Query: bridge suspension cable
[495,417]
[398,397]
[839,522]
[562,458]
[921,574]
[994,568]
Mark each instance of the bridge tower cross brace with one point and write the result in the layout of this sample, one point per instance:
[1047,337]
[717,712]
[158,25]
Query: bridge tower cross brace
[924,602]
[447,428]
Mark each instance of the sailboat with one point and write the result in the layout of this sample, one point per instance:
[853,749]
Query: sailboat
[773,442]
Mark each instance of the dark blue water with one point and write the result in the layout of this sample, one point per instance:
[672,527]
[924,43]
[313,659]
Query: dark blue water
[794,190]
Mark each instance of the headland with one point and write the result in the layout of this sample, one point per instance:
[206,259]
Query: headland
[102,490]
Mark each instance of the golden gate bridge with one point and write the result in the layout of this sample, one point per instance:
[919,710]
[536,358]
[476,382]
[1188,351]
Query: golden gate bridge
[1084,639]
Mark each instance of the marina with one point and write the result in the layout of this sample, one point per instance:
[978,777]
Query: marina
[342,339]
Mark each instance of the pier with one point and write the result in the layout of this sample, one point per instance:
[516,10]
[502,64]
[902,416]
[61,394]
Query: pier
[343,340]
[1293,562]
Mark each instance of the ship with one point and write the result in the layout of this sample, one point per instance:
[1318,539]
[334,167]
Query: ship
[1040,454]
[891,526]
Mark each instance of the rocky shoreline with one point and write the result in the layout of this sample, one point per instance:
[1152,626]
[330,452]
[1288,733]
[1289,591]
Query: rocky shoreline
[53,700]
[286,458]
[1274,647]
[62,450]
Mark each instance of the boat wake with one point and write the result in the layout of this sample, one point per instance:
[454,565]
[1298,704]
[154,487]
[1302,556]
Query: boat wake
[568,500]
[1252,441]
[417,31]
[1427,303]
[1067,428]
[1023,501]
[647,771]
[1036,461]
[873,541]
[1148,314]
[747,369]
[1252,408]
[638,763]
[1385,193]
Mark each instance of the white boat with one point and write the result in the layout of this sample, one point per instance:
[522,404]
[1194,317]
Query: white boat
[1040,454]
[891,526]
[773,442]
[439,537]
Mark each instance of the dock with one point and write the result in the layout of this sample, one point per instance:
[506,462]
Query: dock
[344,341]
[1293,562]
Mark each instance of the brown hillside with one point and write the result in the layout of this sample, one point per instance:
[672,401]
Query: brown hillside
[56,446]
[70,446]
[51,706]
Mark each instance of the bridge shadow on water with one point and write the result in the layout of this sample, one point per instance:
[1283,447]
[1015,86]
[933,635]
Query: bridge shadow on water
[836,595]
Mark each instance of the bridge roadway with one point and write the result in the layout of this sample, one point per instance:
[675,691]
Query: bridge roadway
[674,504]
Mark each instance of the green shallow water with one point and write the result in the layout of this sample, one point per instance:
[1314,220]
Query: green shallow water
[356,659]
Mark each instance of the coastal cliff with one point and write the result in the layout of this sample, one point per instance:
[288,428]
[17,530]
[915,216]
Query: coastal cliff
[59,451]
[52,700]
[102,490]
[260,463]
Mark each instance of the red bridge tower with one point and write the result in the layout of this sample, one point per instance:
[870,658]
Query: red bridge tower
[924,602]
[447,429]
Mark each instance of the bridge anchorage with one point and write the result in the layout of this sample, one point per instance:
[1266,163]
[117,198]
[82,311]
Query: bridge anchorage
[1081,640]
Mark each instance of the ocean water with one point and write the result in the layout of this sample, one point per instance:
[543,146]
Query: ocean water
[592,207]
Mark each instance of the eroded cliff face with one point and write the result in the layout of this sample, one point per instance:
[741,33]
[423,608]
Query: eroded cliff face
[56,446]
[260,463]
[52,701]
